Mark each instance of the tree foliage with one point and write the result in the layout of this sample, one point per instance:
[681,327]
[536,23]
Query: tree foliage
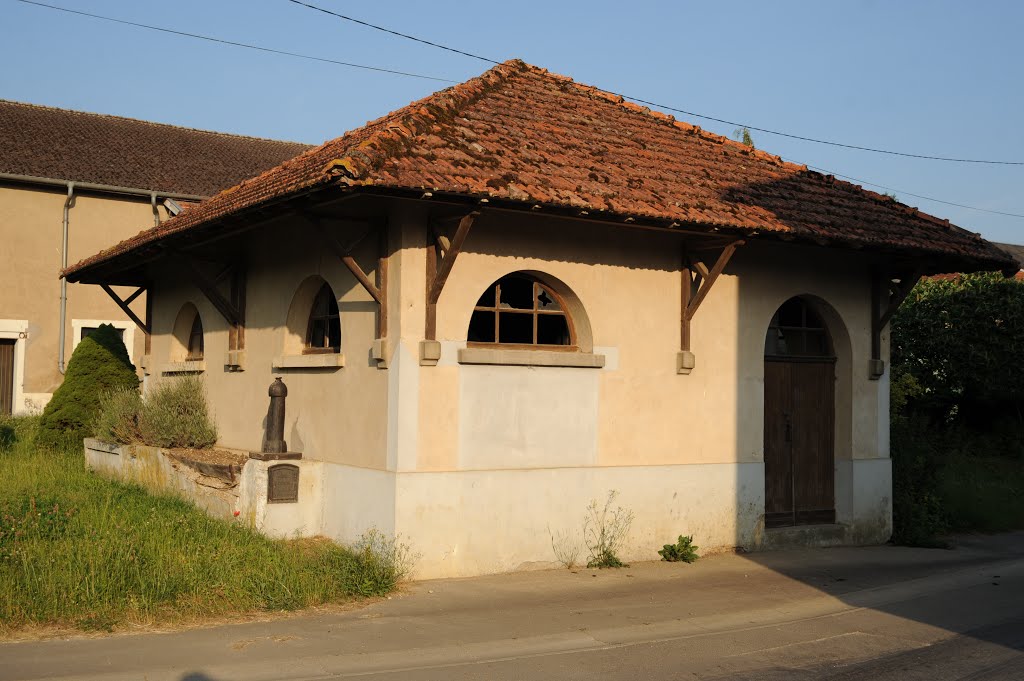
[99,365]
[961,341]
[957,392]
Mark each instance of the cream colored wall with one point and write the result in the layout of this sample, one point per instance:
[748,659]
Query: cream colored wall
[30,229]
[334,414]
[646,413]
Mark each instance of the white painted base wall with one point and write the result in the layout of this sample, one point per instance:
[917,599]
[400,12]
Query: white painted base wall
[480,522]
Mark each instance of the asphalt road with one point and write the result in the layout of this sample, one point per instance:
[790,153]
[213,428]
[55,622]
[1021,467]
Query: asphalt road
[877,614]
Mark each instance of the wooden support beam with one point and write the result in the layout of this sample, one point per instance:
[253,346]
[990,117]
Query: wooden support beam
[132,297]
[344,253]
[430,331]
[226,309]
[377,289]
[382,279]
[445,267]
[712,276]
[439,266]
[148,344]
[906,285]
[696,284]
[144,326]
[236,333]
[886,297]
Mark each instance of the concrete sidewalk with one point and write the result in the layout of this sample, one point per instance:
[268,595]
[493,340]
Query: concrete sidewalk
[754,603]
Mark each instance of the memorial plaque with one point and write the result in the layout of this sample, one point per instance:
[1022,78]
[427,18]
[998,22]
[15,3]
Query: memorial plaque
[282,484]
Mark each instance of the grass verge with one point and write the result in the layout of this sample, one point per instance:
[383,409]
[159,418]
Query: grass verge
[77,550]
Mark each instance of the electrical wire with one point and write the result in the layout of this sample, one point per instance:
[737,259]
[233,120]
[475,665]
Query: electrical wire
[447,80]
[233,43]
[672,108]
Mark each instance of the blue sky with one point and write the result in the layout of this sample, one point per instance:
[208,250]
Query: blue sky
[929,77]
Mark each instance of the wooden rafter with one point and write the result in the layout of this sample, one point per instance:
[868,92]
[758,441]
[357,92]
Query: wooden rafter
[439,265]
[697,282]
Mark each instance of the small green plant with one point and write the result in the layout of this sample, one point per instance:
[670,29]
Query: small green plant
[118,418]
[176,414]
[99,365]
[604,530]
[683,550]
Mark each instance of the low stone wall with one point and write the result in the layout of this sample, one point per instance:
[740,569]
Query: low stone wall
[244,498]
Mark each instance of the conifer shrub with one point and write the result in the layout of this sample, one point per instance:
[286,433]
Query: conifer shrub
[99,365]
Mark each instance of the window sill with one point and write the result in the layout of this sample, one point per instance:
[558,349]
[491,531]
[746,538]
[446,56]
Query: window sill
[196,366]
[323,360]
[533,358]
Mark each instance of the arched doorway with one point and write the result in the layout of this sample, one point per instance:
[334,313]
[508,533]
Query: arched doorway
[799,413]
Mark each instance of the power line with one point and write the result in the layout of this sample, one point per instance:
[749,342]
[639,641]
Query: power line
[234,43]
[672,108]
[388,30]
[448,80]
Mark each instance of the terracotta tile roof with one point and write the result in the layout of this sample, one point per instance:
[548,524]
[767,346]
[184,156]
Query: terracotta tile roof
[523,135]
[60,144]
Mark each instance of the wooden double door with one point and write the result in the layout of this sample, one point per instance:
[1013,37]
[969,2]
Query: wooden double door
[799,458]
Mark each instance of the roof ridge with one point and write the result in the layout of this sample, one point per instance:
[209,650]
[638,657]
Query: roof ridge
[79,112]
[413,119]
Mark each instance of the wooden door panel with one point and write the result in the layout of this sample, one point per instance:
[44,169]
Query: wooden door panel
[6,376]
[813,458]
[778,480]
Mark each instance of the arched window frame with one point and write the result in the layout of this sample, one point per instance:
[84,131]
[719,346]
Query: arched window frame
[196,345]
[325,325]
[536,313]
[810,325]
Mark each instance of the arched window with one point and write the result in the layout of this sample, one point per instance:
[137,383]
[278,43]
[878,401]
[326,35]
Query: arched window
[195,340]
[187,342]
[796,330]
[324,331]
[518,310]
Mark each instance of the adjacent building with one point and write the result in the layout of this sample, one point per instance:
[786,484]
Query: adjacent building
[72,183]
[503,301]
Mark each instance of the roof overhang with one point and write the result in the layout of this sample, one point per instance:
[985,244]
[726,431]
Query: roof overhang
[127,267]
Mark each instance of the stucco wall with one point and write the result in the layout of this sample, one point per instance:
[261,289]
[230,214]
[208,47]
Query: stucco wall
[637,410]
[31,228]
[334,414]
[455,454]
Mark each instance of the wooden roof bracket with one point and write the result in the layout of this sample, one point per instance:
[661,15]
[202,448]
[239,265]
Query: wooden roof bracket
[231,307]
[145,326]
[888,292]
[440,262]
[378,288]
[697,280]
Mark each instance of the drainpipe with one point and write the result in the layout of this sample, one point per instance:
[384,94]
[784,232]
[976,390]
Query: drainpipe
[156,211]
[64,282]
